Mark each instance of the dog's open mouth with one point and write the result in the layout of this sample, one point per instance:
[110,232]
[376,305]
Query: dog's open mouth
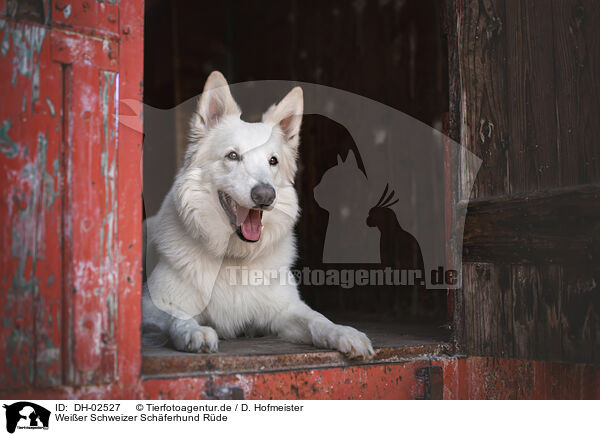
[246,222]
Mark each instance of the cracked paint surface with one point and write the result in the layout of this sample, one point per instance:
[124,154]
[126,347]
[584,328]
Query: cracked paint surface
[30,165]
[72,221]
[26,42]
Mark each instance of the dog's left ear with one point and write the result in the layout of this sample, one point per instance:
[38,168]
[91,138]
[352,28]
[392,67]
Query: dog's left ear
[288,115]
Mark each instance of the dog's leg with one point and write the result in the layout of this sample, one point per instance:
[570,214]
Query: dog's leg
[155,322]
[159,327]
[168,310]
[299,323]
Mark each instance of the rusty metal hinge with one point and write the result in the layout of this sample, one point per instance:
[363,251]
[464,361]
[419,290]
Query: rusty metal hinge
[431,377]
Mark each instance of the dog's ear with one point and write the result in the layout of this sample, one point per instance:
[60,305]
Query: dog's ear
[288,115]
[215,103]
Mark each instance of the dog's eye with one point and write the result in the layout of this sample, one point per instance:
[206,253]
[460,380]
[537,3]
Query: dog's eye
[273,161]
[232,156]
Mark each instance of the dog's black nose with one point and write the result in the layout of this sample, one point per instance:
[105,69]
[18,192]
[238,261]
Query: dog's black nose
[263,195]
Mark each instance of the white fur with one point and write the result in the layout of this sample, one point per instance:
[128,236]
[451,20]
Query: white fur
[191,297]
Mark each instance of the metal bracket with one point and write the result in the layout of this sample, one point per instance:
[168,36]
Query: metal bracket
[432,379]
[223,392]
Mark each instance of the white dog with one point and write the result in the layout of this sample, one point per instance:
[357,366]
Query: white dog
[232,208]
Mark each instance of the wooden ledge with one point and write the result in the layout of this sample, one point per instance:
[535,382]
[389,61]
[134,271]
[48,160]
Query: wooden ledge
[392,343]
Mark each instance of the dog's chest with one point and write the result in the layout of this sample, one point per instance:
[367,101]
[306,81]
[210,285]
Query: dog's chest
[233,310]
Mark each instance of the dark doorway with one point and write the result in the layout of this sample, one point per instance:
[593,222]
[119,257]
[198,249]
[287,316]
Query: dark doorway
[394,52]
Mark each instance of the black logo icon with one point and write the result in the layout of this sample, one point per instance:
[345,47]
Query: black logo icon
[26,415]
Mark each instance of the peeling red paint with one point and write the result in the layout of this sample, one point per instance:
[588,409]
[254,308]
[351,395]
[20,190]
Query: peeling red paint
[483,378]
[129,184]
[30,274]
[75,48]
[463,378]
[62,198]
[89,17]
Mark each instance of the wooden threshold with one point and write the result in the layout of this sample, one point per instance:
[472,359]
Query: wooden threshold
[392,343]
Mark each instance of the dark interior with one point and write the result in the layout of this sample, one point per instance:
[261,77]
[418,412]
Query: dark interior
[394,52]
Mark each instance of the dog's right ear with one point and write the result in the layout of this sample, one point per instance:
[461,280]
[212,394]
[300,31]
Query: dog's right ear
[215,103]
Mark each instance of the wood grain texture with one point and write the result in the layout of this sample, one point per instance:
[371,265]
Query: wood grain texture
[533,157]
[577,68]
[542,312]
[532,229]
[482,57]
[553,226]
[579,318]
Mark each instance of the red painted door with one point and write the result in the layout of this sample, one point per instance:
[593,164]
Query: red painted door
[70,185]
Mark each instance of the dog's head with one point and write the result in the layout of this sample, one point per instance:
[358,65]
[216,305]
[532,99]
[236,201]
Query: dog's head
[237,177]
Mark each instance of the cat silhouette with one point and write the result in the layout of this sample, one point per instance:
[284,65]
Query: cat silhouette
[343,191]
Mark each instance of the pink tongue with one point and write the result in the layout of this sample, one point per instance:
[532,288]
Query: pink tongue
[249,219]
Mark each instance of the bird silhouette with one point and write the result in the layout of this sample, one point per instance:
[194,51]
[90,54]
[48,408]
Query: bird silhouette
[398,248]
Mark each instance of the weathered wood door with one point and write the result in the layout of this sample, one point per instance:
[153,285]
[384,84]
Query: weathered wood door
[70,191]
[530,98]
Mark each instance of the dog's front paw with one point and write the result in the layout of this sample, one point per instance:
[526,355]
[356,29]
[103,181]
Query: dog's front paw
[350,341]
[198,340]
[194,338]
